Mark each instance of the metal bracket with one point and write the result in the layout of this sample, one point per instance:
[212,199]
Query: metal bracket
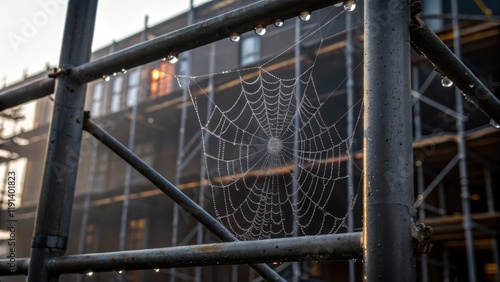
[61,70]
[421,235]
[415,8]
[51,242]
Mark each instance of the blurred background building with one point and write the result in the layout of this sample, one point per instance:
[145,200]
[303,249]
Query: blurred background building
[116,208]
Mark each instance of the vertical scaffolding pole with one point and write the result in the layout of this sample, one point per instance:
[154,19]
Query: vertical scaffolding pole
[182,134]
[350,128]
[128,169]
[387,144]
[462,151]
[420,168]
[86,202]
[206,139]
[63,149]
[88,196]
[446,263]
[491,209]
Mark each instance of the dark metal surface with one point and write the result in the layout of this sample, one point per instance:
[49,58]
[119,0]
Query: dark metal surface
[17,95]
[427,43]
[387,144]
[20,266]
[321,247]
[324,247]
[218,28]
[63,149]
[173,192]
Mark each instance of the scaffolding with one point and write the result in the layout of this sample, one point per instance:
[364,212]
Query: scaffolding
[388,247]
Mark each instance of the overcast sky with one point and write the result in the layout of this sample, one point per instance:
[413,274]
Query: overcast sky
[31,30]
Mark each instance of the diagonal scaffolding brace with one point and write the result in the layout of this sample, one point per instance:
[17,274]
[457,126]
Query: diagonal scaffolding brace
[170,190]
[428,44]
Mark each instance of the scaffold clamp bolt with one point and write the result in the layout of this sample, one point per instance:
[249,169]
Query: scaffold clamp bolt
[422,235]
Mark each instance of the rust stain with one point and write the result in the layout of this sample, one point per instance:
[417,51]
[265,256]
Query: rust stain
[207,248]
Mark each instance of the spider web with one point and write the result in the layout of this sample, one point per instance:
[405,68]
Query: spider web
[273,152]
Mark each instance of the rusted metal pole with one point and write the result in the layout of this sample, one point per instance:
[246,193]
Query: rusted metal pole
[387,144]
[322,247]
[63,149]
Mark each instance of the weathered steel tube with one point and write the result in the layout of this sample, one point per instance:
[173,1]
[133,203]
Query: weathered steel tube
[63,147]
[426,42]
[387,144]
[25,92]
[19,266]
[321,247]
[240,20]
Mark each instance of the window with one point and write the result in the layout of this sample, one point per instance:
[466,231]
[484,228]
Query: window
[134,80]
[116,96]
[90,239]
[136,240]
[145,151]
[250,50]
[100,176]
[161,79]
[97,100]
[136,233]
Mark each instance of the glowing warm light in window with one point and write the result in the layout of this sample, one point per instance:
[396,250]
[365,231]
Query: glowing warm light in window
[155,74]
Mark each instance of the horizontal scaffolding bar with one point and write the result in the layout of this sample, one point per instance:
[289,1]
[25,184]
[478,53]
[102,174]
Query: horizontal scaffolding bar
[427,43]
[339,246]
[240,20]
[321,247]
[14,266]
[25,92]
[173,192]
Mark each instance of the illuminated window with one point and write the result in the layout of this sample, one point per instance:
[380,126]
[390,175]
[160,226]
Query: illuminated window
[135,240]
[136,233]
[161,79]
[250,50]
[116,96]
[90,239]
